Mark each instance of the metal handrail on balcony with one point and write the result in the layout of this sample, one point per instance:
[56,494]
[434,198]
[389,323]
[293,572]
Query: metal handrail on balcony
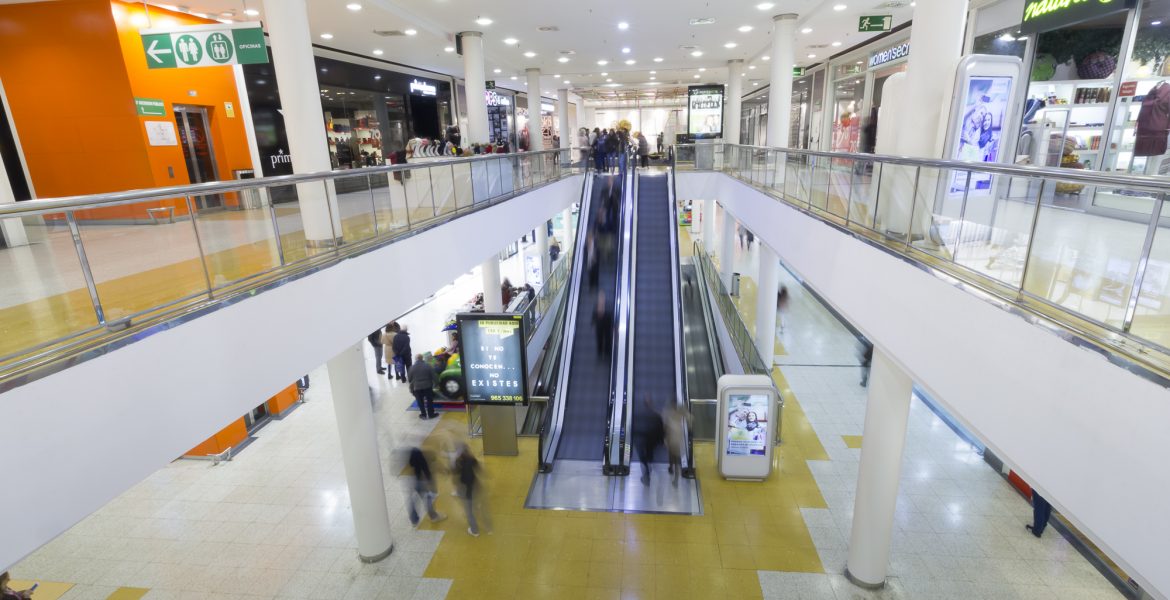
[1083,253]
[102,270]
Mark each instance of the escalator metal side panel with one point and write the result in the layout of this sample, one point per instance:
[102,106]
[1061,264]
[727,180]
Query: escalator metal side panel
[683,395]
[618,453]
[566,353]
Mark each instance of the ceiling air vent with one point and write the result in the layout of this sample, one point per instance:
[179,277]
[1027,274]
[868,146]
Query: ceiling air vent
[548,28]
[568,52]
[687,47]
[894,4]
[818,45]
[389,32]
[703,21]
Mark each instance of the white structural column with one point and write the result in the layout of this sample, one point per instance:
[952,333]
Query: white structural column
[709,226]
[884,436]
[727,249]
[732,106]
[300,101]
[768,284]
[493,301]
[473,83]
[567,231]
[936,45]
[535,135]
[567,134]
[780,87]
[542,250]
[359,453]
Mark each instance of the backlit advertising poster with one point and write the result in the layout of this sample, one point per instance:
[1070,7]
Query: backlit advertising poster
[985,108]
[705,111]
[493,356]
[747,424]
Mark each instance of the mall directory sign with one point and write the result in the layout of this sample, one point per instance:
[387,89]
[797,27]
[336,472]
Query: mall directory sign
[494,358]
[705,111]
[1046,15]
[204,46]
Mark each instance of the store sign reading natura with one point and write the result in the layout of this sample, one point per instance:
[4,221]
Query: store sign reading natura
[1046,15]
[423,88]
[878,59]
[204,46]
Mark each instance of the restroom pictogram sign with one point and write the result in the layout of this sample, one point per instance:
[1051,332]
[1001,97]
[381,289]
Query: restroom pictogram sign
[204,46]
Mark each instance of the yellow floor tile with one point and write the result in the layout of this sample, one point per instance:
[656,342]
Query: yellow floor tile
[127,593]
[46,590]
[852,441]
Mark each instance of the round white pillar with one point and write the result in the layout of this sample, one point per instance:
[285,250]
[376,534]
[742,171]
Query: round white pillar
[300,103]
[727,249]
[937,36]
[567,231]
[535,128]
[732,113]
[542,250]
[780,87]
[769,286]
[473,83]
[709,226]
[563,119]
[493,301]
[884,436]
[360,454]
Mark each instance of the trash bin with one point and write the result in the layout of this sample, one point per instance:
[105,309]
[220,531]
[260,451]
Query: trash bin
[249,198]
[735,284]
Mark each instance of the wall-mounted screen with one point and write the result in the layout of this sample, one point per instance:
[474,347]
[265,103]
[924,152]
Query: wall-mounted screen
[493,356]
[705,111]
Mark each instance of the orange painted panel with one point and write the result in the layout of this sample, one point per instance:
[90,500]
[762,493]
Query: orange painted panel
[282,400]
[228,437]
[1019,483]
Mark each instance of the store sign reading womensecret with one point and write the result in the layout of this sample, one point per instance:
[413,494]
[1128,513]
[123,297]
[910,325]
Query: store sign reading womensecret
[1046,15]
[493,356]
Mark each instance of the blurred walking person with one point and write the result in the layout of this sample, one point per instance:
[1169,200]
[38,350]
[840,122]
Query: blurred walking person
[603,325]
[467,471]
[422,488]
[422,385]
[648,436]
[675,420]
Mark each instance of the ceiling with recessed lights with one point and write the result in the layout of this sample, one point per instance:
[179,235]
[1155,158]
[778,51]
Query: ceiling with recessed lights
[638,45]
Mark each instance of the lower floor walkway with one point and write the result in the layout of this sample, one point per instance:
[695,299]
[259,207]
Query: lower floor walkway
[275,522]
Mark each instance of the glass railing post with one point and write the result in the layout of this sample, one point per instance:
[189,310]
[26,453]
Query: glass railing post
[913,205]
[1143,262]
[275,228]
[373,203]
[454,188]
[86,272]
[199,244]
[1031,241]
[431,184]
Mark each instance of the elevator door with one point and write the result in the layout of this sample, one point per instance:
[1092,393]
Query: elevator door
[198,152]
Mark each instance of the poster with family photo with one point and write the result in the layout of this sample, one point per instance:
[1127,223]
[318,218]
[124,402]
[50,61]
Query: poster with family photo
[747,424]
[980,135]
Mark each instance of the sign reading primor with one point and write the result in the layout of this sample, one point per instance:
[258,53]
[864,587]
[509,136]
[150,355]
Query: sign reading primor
[204,46]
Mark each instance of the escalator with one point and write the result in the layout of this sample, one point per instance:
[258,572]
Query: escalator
[703,357]
[577,424]
[657,373]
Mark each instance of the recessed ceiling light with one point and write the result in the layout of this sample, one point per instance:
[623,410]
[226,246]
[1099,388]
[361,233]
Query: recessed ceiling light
[745,28]
[483,21]
[839,7]
[764,5]
[557,76]
[251,12]
[377,77]
[511,41]
[730,45]
[652,78]
[609,81]
[378,52]
[657,59]
[604,74]
[836,44]
[449,49]
[514,78]
[751,66]
[755,83]
[696,76]
[603,62]
[354,6]
[765,58]
[631,61]
[697,53]
[566,81]
[411,32]
[623,26]
[497,71]
[326,36]
[530,54]
[1155,23]
[626,50]
[563,59]
[702,69]
[653,72]
[812,55]
[806,30]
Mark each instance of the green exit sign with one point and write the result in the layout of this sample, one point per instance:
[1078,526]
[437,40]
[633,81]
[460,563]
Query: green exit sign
[798,71]
[875,23]
[150,107]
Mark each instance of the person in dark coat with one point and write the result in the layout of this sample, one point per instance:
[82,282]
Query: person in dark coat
[649,434]
[401,347]
[603,325]
[422,488]
[1041,512]
[375,340]
[422,385]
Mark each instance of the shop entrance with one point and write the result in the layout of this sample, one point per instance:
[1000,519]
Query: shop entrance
[424,112]
[195,139]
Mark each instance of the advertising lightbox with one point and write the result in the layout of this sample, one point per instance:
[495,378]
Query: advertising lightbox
[983,119]
[749,411]
[705,111]
[493,355]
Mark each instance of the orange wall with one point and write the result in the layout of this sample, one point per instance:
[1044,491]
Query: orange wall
[230,436]
[286,398]
[72,69]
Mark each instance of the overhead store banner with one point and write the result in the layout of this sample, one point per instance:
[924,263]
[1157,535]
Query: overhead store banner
[204,46]
[705,111]
[493,356]
[1046,15]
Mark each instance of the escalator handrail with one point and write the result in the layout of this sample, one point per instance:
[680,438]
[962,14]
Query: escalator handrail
[555,417]
[713,341]
[619,411]
[682,394]
[618,398]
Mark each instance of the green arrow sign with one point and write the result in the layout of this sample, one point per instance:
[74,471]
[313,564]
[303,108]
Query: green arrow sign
[204,46]
[798,71]
[150,107]
[875,23]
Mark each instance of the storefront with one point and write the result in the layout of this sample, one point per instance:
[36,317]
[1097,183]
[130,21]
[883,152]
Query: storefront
[501,111]
[369,112]
[855,90]
[1090,72]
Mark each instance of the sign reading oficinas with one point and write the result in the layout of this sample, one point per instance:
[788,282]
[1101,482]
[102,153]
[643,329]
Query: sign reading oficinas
[423,88]
[1046,15]
[878,59]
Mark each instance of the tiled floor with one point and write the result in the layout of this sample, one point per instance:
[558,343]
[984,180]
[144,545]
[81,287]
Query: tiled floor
[275,522]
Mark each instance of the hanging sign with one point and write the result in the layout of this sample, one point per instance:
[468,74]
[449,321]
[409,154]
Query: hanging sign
[489,85]
[878,59]
[423,88]
[705,111]
[204,46]
[1046,15]
[150,107]
[875,23]
[493,356]
[798,71]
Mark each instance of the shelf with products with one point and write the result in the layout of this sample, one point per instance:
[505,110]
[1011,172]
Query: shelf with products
[1081,93]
